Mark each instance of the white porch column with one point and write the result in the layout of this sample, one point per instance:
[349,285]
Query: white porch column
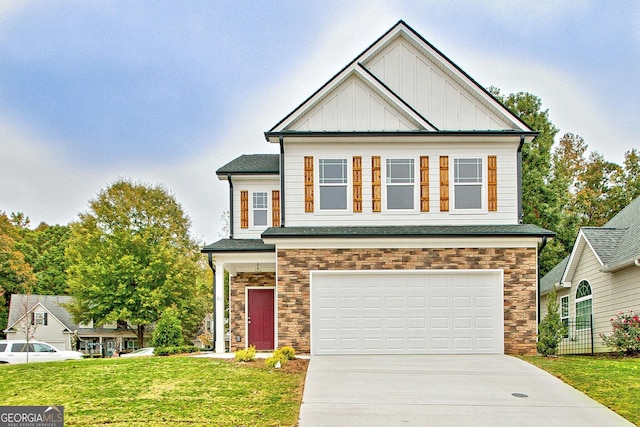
[218,310]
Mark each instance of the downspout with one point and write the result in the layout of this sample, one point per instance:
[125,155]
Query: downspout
[519,181]
[282,204]
[542,245]
[230,206]
[213,293]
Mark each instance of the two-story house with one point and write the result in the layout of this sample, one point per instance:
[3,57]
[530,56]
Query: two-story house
[390,220]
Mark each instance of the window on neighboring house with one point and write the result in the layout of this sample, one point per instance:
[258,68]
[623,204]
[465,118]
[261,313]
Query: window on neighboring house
[333,184]
[39,319]
[400,183]
[260,205]
[564,314]
[467,183]
[584,305]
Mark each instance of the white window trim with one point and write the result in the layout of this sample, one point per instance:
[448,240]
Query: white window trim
[568,316]
[452,185]
[415,184]
[582,299]
[349,199]
[251,210]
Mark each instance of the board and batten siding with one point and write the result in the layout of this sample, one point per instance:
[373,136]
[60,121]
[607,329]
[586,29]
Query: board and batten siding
[251,185]
[507,212]
[430,90]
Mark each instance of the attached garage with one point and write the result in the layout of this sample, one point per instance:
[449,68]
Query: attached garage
[407,312]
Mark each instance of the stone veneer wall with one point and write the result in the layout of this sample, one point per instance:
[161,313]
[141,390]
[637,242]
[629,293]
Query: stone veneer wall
[237,303]
[518,264]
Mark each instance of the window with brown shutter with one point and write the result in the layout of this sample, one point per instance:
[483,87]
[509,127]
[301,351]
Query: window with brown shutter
[424,183]
[492,183]
[308,184]
[444,183]
[357,184]
[275,208]
[244,209]
[376,184]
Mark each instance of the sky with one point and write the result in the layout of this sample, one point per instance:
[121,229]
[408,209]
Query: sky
[165,92]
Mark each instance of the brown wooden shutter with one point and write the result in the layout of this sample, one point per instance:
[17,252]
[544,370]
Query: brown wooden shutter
[357,184]
[244,209]
[444,183]
[275,208]
[308,184]
[492,180]
[424,183]
[376,184]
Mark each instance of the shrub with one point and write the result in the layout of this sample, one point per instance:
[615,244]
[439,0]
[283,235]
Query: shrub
[551,329]
[168,331]
[246,355]
[281,355]
[289,352]
[180,349]
[625,337]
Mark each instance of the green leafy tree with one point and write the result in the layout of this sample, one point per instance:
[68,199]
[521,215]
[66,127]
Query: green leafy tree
[168,331]
[131,257]
[551,329]
[46,246]
[16,275]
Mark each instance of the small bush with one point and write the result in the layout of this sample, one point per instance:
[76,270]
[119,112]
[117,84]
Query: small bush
[246,355]
[180,349]
[289,352]
[625,337]
[551,329]
[168,331]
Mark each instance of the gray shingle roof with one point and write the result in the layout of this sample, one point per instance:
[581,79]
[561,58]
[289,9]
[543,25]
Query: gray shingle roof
[411,231]
[22,304]
[252,164]
[553,277]
[604,241]
[238,245]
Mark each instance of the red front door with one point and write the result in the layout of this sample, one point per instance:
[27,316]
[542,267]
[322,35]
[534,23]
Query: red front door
[260,320]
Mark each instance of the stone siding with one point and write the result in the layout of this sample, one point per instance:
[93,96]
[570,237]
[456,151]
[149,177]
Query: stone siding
[237,306]
[518,264]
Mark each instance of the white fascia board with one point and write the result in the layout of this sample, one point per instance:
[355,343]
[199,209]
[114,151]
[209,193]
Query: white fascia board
[244,258]
[403,243]
[574,259]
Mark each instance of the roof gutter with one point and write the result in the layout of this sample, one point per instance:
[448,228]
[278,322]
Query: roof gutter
[230,206]
[282,204]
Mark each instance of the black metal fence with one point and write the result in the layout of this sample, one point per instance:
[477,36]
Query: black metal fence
[578,338]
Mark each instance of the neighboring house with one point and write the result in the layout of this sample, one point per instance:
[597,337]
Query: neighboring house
[390,220]
[46,319]
[599,279]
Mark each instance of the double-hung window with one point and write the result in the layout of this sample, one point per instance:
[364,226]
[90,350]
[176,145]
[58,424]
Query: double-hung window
[39,319]
[333,184]
[260,206]
[400,183]
[467,181]
[564,314]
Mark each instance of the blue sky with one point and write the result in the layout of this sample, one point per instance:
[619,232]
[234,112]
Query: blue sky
[166,92]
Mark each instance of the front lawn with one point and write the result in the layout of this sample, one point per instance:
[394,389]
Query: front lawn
[613,382]
[159,391]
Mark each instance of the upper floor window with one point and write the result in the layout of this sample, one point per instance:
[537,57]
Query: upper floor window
[260,206]
[584,305]
[39,319]
[333,184]
[467,182]
[400,183]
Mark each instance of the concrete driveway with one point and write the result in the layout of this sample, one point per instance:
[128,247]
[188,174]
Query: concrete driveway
[487,390]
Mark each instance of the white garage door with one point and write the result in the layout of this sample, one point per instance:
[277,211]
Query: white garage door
[417,312]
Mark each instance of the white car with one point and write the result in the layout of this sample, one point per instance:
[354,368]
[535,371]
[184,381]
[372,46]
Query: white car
[21,351]
[147,351]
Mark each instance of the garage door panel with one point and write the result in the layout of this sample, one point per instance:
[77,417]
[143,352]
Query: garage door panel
[399,312]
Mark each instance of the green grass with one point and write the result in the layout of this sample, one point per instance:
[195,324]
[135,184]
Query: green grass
[157,391]
[613,382]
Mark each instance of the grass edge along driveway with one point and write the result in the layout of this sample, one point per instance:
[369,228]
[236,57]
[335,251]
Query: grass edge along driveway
[613,382]
[158,391]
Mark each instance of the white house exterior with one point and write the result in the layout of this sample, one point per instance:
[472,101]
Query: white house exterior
[598,280]
[390,220]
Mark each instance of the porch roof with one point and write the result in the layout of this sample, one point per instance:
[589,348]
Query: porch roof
[238,245]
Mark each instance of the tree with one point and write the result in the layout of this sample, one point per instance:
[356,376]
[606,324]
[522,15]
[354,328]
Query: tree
[131,257]
[16,275]
[551,329]
[44,249]
[168,331]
